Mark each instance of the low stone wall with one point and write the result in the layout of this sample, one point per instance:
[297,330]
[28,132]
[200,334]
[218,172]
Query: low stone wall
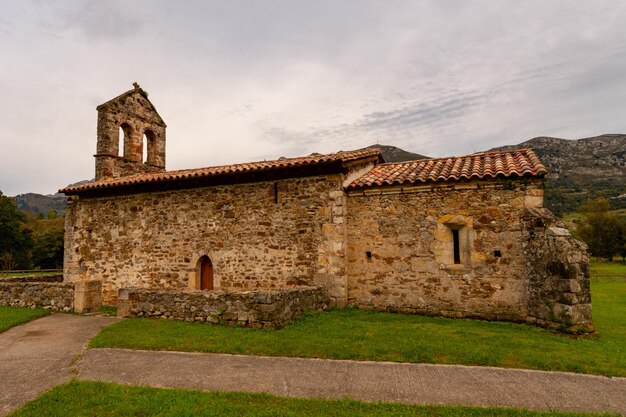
[261,309]
[57,296]
[50,292]
[557,267]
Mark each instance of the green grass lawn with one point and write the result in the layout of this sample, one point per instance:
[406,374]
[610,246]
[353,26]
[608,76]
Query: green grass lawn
[365,335]
[99,399]
[604,267]
[12,316]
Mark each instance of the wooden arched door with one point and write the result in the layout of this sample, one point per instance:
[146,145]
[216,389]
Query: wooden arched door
[206,273]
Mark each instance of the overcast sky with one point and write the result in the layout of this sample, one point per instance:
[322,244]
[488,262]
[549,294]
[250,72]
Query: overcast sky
[239,81]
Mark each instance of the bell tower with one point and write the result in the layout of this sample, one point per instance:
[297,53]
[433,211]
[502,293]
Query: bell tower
[131,136]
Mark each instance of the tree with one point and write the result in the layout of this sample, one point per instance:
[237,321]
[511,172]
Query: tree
[15,240]
[47,236]
[8,261]
[48,250]
[621,250]
[602,230]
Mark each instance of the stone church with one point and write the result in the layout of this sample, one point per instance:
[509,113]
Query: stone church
[462,236]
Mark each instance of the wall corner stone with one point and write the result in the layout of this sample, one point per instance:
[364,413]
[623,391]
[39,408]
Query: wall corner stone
[557,271]
[87,296]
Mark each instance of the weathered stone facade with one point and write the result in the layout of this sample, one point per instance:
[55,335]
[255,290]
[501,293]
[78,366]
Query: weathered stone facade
[154,240]
[458,237]
[261,309]
[400,256]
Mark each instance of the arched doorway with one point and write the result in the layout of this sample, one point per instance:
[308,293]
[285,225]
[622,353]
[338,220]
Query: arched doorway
[205,273]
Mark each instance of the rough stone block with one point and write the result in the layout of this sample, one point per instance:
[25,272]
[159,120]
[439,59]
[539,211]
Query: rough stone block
[533,201]
[574,286]
[569,298]
[263,298]
[558,231]
[87,296]
[581,314]
[124,309]
[562,312]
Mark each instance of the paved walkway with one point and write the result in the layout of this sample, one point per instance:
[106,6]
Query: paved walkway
[368,381]
[39,355]
[43,353]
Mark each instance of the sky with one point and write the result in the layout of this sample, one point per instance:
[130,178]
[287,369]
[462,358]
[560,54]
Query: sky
[240,81]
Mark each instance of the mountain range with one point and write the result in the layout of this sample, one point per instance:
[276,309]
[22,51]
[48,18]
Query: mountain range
[578,169]
[581,169]
[39,203]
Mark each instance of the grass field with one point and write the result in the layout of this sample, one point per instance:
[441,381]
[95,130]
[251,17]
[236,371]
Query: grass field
[11,316]
[363,335]
[610,268]
[99,399]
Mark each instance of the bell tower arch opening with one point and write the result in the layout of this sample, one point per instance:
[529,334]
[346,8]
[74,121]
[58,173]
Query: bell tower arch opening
[149,147]
[131,136]
[124,137]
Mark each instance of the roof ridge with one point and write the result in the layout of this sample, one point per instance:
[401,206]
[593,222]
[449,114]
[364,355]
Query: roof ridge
[443,158]
[243,167]
[492,164]
[266,161]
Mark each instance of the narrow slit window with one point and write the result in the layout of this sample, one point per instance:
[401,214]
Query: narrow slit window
[275,193]
[457,246]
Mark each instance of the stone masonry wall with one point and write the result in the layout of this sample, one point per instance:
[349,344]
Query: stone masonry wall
[262,309]
[400,249]
[51,292]
[154,240]
[557,268]
[56,296]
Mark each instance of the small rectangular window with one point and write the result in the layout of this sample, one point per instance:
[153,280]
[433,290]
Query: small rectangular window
[275,193]
[457,246]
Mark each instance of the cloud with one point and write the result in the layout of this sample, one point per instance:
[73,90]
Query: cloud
[441,110]
[391,126]
[239,81]
[103,20]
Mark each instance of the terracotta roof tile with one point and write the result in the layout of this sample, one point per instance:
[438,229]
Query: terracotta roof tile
[522,162]
[251,167]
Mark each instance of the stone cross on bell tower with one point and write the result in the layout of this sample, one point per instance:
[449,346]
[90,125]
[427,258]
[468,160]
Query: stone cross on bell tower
[126,125]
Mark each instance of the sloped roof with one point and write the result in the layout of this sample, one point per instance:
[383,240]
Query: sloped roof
[516,163]
[311,161]
[136,90]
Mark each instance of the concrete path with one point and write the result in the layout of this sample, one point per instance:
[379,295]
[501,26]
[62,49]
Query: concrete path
[368,381]
[38,355]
